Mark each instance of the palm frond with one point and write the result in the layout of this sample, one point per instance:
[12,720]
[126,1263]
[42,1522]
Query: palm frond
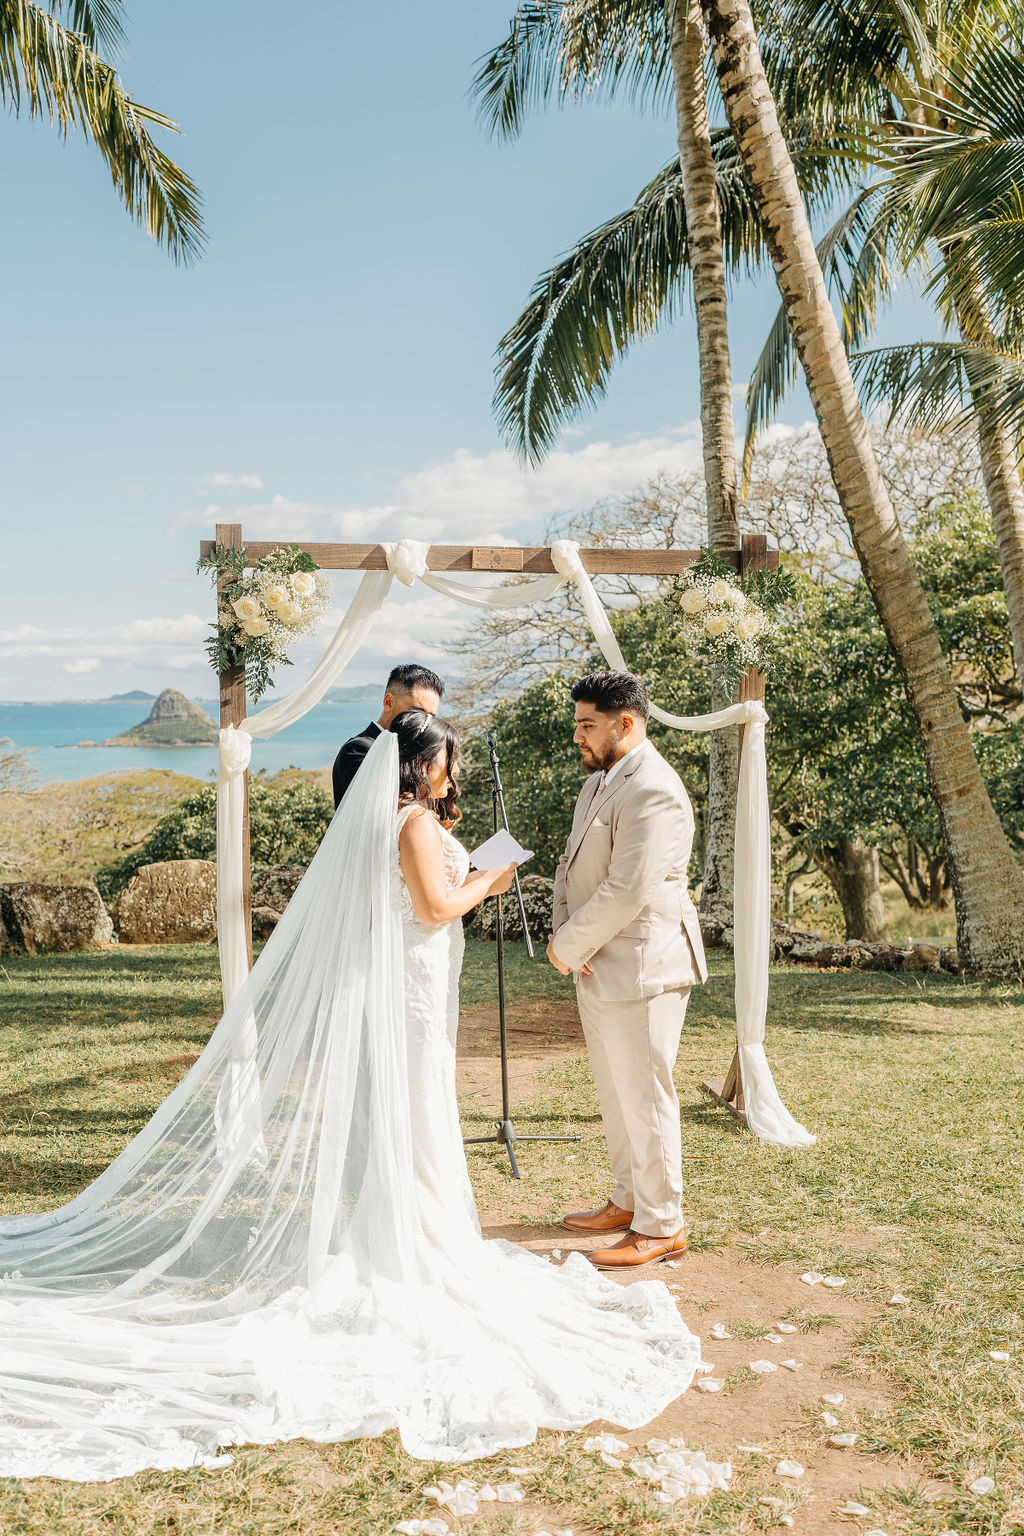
[49,70]
[564,50]
[946,384]
[836,59]
[620,282]
[100,22]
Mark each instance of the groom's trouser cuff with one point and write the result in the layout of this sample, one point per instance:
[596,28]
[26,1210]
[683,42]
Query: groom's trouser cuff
[633,1046]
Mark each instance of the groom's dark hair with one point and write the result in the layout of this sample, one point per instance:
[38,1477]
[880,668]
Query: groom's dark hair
[613,693]
[408,676]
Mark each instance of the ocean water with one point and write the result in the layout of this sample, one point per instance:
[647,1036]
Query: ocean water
[48,733]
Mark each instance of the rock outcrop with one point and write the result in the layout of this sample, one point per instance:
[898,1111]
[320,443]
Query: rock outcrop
[54,919]
[811,949]
[174,721]
[275,887]
[170,903]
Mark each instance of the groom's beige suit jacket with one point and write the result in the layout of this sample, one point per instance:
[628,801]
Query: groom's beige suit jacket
[621,900]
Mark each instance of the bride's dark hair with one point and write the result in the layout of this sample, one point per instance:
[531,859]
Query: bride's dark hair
[421,737]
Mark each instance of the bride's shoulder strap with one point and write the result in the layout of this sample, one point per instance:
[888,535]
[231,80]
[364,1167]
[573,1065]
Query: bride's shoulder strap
[405,814]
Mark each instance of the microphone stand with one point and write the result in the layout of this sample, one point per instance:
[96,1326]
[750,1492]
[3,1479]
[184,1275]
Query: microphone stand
[504,1130]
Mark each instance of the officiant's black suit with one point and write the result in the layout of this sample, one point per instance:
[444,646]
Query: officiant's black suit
[348,760]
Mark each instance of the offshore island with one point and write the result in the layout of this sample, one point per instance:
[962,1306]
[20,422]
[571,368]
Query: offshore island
[174,721]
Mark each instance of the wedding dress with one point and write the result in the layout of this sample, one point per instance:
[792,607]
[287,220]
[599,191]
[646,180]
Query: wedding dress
[290,1247]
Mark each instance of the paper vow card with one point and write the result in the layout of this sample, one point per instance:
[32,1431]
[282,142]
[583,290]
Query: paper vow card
[499,850]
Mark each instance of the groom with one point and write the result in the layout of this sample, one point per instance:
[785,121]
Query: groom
[625,926]
[409,687]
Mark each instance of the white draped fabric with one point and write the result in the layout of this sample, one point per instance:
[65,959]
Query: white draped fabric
[766,1114]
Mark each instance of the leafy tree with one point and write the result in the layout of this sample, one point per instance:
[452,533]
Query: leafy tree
[52,66]
[286,824]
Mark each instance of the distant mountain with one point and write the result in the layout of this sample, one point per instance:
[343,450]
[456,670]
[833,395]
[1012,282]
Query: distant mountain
[133,693]
[174,721]
[365,693]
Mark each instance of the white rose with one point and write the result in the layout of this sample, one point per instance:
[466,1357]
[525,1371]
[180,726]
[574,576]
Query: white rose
[290,612]
[255,627]
[720,590]
[715,624]
[303,584]
[748,626]
[736,598]
[692,600]
[274,596]
[246,608]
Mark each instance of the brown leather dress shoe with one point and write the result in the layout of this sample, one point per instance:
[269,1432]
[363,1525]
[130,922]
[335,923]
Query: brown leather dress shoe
[636,1249]
[609,1219]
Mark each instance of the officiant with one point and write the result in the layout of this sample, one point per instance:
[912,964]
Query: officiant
[408,687]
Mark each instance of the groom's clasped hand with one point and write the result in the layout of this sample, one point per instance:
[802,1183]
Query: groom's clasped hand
[625,928]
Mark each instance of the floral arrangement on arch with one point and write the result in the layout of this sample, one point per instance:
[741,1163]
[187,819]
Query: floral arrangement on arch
[263,611]
[729,622]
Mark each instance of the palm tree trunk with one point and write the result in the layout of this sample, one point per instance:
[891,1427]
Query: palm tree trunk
[1005,497]
[987,884]
[718,432]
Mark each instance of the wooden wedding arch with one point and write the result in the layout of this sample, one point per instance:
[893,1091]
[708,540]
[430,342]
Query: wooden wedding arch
[753,555]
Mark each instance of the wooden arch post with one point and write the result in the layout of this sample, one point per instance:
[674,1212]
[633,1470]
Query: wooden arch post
[752,556]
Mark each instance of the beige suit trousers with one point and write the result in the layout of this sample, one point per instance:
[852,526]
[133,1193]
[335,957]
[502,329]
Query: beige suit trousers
[633,1047]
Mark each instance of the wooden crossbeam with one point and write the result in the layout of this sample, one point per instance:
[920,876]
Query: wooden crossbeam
[531,561]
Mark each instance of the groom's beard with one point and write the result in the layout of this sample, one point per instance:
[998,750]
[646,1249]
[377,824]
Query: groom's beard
[594,763]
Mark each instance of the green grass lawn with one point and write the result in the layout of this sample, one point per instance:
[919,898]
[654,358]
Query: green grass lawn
[912,1085]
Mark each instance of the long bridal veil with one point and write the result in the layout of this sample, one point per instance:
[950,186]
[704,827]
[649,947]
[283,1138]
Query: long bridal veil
[254,1266]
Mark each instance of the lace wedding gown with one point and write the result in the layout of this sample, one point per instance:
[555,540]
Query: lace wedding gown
[290,1247]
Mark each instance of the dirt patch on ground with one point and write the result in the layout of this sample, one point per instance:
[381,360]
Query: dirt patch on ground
[755,1419]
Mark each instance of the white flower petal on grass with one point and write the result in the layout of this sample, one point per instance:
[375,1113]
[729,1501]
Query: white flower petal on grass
[876,1532]
[833,1281]
[672,1263]
[763,1367]
[510,1493]
[787,1328]
[615,1462]
[752,1450]
[605,1443]
[792,1365]
[998,1354]
[788,1468]
[829,1420]
[711,1384]
[812,1277]
[772,1501]
[647,1469]
[556,1253]
[487,1494]
[845,1439]
[522,1471]
[703,1368]
[656,1446]
[461,1500]
[424,1528]
[720,1331]
[899,1300]
[772,1338]
[785,1519]
[835,1398]
[982,1485]
[851,1507]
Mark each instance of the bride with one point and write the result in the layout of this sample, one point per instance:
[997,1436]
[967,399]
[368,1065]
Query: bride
[290,1247]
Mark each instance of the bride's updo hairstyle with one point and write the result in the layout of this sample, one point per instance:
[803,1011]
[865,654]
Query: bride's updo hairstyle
[421,737]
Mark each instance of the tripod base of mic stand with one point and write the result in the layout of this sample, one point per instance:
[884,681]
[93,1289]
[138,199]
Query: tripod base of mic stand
[505,1131]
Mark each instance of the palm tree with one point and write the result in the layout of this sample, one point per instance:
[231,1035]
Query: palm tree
[987,884]
[907,70]
[52,69]
[566,48]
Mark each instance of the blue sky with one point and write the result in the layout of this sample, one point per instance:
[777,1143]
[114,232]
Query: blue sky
[326,370]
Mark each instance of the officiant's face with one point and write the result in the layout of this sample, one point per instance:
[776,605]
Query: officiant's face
[599,736]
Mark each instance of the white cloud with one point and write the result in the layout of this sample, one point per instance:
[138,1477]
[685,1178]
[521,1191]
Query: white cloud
[163,642]
[487,498]
[221,480]
[82,664]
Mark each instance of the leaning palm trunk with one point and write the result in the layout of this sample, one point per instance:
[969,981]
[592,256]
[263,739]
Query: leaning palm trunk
[718,433]
[988,887]
[1006,502]
[1003,489]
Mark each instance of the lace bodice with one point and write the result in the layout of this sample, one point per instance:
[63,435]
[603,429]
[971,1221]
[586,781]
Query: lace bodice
[456,868]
